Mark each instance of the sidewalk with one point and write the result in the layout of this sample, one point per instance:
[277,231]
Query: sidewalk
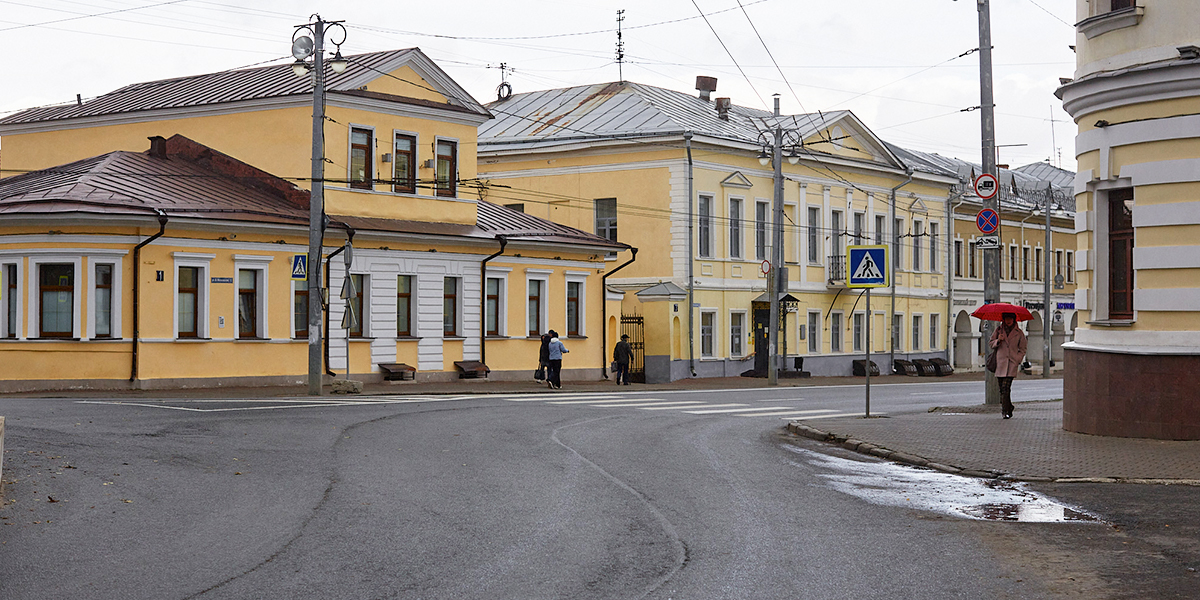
[1032,446]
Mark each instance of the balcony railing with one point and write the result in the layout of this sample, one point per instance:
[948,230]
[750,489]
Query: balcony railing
[837,269]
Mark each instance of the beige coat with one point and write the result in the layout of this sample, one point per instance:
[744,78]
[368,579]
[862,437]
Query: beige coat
[1010,352]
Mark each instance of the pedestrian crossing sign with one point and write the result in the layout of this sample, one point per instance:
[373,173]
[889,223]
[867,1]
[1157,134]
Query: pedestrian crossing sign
[866,266]
[299,267]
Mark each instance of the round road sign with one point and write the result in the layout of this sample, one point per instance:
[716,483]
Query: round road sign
[986,186]
[766,267]
[987,221]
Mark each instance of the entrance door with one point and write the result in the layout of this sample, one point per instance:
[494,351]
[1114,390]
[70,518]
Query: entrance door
[762,340]
[634,326]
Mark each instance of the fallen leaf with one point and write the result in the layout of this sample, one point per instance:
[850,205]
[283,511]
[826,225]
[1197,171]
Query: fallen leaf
[50,499]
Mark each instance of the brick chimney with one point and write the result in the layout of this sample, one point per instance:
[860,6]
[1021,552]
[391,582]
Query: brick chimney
[158,146]
[723,105]
[706,85]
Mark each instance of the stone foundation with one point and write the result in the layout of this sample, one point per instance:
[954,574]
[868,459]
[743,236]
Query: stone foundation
[1132,395]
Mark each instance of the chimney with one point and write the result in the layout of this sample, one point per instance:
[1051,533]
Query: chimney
[723,108]
[158,146]
[706,85]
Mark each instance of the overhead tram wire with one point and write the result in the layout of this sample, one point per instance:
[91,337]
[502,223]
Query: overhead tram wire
[735,62]
[89,16]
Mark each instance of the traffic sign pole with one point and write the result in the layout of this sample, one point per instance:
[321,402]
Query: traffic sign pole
[867,412]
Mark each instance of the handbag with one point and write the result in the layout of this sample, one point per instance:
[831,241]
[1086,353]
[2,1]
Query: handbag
[540,373]
[612,367]
[991,361]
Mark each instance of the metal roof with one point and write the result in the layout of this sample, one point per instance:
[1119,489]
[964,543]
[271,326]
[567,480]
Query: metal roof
[1024,187]
[194,181]
[273,81]
[623,110]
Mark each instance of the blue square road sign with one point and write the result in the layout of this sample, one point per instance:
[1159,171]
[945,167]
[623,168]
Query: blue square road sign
[866,266]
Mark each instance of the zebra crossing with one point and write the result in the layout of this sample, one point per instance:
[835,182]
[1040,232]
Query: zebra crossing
[690,407]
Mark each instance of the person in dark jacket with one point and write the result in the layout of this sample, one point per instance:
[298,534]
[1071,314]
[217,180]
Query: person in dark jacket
[544,357]
[622,355]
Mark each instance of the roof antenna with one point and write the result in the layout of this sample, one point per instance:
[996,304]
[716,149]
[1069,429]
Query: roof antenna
[504,90]
[620,47]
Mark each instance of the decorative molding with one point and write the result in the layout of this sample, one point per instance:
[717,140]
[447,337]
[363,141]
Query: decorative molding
[1110,21]
[1166,257]
[737,180]
[1167,299]
[1166,171]
[1083,298]
[1165,215]
[1126,86]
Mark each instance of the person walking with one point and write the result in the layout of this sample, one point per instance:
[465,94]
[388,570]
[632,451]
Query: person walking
[622,355]
[557,350]
[1009,344]
[543,359]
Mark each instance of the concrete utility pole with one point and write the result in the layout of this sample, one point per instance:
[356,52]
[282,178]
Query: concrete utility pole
[316,212]
[991,256]
[1046,318]
[777,265]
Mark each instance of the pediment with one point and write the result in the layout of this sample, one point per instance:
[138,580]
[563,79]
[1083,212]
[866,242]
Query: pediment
[737,180]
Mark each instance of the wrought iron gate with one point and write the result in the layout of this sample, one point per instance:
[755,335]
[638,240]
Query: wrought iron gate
[634,326]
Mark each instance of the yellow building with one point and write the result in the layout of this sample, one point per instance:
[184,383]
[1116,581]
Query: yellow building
[1136,99]
[679,177]
[173,267]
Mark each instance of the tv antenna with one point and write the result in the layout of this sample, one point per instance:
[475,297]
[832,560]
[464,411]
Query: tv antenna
[504,90]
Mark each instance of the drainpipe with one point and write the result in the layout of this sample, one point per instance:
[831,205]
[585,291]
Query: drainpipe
[895,246]
[325,307]
[483,303]
[137,275]
[691,259]
[604,311]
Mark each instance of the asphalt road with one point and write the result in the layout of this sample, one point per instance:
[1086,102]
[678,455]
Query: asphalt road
[547,496]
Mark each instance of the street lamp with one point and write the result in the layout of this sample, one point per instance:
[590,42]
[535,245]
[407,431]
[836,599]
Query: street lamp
[304,47]
[1047,209]
[776,137]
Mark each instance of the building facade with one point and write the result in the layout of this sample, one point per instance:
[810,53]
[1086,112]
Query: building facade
[174,266]
[1135,97]
[679,177]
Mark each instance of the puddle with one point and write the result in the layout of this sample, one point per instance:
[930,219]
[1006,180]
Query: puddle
[891,484]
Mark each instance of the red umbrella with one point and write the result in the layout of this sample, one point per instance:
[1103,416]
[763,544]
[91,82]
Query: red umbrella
[996,310]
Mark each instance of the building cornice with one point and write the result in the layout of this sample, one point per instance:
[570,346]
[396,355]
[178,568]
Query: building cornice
[1137,85]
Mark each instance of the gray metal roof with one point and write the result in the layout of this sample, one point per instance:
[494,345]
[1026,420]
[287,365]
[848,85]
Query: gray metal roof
[1043,171]
[1023,187]
[624,110]
[273,81]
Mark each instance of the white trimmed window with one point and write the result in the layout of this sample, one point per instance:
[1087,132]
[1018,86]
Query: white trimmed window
[104,298]
[859,319]
[814,332]
[814,235]
[537,286]
[576,308]
[916,333]
[250,303]
[191,294]
[708,325]
[451,307]
[704,235]
[933,331]
[835,333]
[10,279]
[735,228]
[737,334]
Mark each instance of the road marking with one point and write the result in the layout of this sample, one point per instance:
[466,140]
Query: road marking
[656,403]
[833,416]
[553,396]
[683,407]
[778,399]
[732,410]
[789,412]
[282,405]
[929,393]
[604,400]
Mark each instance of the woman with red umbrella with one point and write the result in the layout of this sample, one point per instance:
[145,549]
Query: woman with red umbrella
[1009,343]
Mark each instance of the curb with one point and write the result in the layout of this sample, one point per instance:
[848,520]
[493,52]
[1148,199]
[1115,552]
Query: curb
[862,447]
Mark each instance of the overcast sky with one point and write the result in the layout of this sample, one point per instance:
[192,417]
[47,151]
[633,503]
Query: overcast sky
[895,64]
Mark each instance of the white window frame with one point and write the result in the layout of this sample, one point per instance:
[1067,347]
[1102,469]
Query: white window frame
[453,176]
[915,338]
[459,317]
[581,278]
[741,344]
[918,228]
[935,262]
[814,235]
[737,223]
[897,332]
[262,264]
[1070,266]
[542,275]
[837,322]
[762,227]
[934,330]
[898,243]
[374,158]
[500,273]
[114,297]
[17,314]
[858,325]
[711,335]
[416,161]
[814,332]
[203,262]
[35,295]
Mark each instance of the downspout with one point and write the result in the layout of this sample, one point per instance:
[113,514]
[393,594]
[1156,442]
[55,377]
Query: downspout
[604,311]
[137,275]
[895,246]
[483,303]
[691,258]
[325,306]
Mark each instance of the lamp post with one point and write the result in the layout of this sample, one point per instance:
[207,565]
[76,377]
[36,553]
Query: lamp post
[775,137]
[304,47]
[1046,286]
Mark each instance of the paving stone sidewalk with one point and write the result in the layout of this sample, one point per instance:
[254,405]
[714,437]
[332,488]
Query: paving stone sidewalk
[1030,446]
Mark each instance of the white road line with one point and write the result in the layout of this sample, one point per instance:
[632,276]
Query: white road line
[732,410]
[606,401]
[656,403]
[778,399]
[929,393]
[797,414]
[551,396]
[683,407]
[834,416]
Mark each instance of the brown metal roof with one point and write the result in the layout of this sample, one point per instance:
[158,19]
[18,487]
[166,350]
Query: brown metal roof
[273,81]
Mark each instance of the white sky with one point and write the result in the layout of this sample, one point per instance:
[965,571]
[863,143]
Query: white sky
[891,62]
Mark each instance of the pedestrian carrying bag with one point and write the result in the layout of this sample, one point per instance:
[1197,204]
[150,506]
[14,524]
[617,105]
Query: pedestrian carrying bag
[991,361]
[540,373]
[612,367]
